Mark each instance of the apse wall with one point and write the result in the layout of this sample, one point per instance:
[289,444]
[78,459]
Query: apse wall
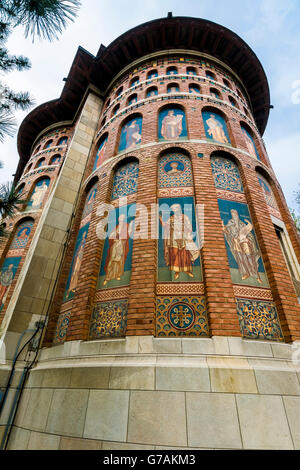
[153,342]
[178,130]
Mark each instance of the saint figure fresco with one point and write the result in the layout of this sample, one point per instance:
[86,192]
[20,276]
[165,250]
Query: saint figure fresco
[180,249]
[38,195]
[100,154]
[215,130]
[76,265]
[243,246]
[131,134]
[7,275]
[171,126]
[118,249]
[250,145]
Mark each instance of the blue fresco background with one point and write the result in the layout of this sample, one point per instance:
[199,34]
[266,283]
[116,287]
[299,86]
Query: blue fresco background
[82,231]
[206,115]
[113,220]
[177,111]
[225,207]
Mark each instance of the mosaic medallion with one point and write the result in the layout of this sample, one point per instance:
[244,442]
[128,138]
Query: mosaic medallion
[259,320]
[109,319]
[181,316]
[62,327]
[174,170]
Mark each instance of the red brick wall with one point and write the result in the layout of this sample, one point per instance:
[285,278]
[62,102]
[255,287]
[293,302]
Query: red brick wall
[218,286]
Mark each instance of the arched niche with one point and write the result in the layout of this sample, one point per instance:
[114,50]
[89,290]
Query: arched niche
[101,151]
[37,195]
[215,125]
[131,132]
[172,123]
[249,141]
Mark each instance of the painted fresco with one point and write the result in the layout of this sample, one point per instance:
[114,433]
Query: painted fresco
[152,92]
[173,89]
[125,180]
[100,156]
[22,234]
[268,193]
[131,134]
[38,194]
[7,274]
[181,316]
[109,319]
[89,202]
[194,89]
[55,160]
[250,144]
[80,244]
[115,270]
[259,320]
[215,127]
[178,244]
[76,263]
[172,124]
[245,262]
[62,327]
[174,170]
[226,174]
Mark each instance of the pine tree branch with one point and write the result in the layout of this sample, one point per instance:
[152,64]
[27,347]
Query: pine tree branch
[45,18]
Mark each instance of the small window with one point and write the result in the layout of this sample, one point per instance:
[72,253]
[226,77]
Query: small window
[210,75]
[226,83]
[151,92]
[172,71]
[107,104]
[131,100]
[48,144]
[191,71]
[232,101]
[152,74]
[194,89]
[173,88]
[135,81]
[40,163]
[119,91]
[55,160]
[215,93]
[103,122]
[63,140]
[37,149]
[115,110]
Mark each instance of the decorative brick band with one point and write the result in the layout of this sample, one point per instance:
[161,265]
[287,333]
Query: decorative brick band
[180,289]
[238,197]
[252,292]
[176,192]
[112,294]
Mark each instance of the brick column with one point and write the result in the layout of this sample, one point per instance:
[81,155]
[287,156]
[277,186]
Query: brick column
[141,302]
[221,307]
[278,275]
[88,276]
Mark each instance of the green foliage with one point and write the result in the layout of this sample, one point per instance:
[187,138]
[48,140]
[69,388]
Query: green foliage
[10,201]
[296,219]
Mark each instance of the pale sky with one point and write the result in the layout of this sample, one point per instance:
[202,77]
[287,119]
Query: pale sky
[270,27]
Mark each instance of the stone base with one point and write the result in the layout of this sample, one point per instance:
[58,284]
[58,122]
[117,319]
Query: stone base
[150,393]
